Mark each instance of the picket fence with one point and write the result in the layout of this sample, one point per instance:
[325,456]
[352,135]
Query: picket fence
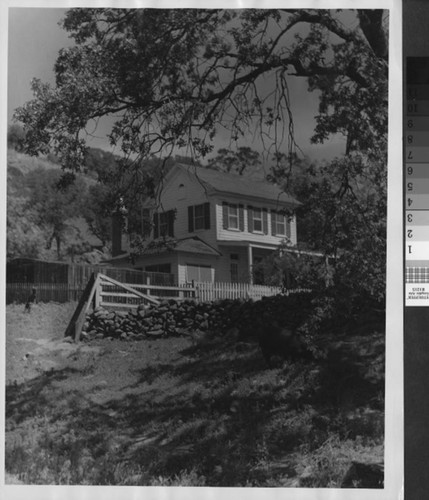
[199,291]
[209,291]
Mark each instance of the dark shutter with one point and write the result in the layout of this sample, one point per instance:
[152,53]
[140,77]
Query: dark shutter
[170,219]
[250,219]
[265,221]
[191,219]
[288,221]
[273,226]
[155,225]
[146,225]
[225,214]
[241,217]
[206,215]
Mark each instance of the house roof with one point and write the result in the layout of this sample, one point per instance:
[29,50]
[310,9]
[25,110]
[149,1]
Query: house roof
[222,182]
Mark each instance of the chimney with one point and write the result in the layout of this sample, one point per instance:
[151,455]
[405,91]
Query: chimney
[119,238]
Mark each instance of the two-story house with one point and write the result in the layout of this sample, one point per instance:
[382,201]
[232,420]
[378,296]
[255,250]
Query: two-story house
[213,226]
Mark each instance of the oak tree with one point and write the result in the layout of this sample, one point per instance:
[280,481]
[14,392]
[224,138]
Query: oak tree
[172,78]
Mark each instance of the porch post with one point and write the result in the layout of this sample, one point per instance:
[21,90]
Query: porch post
[250,263]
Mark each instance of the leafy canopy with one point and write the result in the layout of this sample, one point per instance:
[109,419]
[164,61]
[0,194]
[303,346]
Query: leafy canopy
[173,78]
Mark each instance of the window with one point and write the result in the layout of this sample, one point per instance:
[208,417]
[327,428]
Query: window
[163,224]
[199,217]
[198,272]
[257,219]
[233,216]
[280,225]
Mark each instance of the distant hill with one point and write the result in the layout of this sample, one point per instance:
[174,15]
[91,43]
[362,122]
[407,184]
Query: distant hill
[26,236]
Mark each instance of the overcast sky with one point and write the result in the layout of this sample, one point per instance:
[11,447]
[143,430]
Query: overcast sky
[35,39]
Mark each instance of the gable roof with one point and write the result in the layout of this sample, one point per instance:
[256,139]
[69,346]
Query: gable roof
[227,183]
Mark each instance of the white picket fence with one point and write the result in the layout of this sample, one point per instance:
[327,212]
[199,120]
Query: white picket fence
[208,291]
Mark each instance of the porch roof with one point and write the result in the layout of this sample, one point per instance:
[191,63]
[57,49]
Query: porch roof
[189,245]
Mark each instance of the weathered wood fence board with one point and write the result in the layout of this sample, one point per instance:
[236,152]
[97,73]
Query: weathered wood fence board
[45,292]
[214,291]
[113,292]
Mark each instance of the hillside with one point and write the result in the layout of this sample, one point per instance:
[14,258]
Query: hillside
[200,410]
[31,222]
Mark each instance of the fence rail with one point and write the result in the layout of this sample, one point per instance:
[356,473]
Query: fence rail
[77,275]
[209,291]
[127,295]
[114,295]
[45,292]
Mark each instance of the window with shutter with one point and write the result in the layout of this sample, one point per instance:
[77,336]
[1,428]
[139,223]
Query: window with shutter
[199,217]
[278,224]
[163,224]
[257,219]
[233,217]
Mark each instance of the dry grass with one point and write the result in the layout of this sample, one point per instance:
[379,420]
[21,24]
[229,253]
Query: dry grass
[167,412]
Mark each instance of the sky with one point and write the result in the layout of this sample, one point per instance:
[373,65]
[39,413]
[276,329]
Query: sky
[35,39]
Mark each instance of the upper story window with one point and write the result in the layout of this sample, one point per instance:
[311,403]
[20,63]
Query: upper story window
[280,224]
[257,220]
[163,224]
[233,216]
[199,217]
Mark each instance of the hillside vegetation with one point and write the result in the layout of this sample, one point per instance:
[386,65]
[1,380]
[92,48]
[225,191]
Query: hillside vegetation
[50,224]
[198,410]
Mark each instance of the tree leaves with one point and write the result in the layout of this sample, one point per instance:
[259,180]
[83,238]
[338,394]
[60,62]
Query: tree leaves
[173,77]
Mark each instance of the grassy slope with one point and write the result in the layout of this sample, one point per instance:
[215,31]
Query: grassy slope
[176,412]
[19,165]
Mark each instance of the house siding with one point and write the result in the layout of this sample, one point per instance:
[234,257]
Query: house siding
[175,197]
[183,190]
[194,259]
[224,234]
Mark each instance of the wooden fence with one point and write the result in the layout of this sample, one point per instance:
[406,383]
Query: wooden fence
[114,294]
[45,292]
[29,271]
[207,292]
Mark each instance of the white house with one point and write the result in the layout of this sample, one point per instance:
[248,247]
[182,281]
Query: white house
[207,225]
